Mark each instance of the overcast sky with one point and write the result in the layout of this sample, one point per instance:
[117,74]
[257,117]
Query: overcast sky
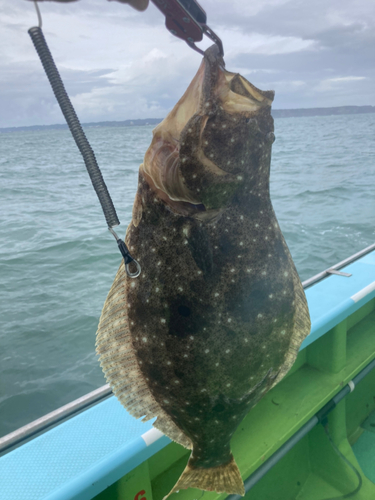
[120,64]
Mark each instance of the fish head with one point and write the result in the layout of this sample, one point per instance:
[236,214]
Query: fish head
[211,143]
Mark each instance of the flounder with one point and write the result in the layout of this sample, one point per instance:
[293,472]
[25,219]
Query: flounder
[218,314]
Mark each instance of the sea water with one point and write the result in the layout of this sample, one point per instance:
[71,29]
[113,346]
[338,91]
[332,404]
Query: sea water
[58,260]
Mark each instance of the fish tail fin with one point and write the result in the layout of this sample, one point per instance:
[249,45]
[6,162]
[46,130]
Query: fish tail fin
[224,478]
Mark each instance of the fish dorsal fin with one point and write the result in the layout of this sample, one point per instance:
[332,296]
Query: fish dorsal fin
[120,366]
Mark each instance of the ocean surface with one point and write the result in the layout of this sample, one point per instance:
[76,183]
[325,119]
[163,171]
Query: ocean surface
[58,260]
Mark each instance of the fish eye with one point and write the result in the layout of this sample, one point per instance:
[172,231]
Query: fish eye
[271,137]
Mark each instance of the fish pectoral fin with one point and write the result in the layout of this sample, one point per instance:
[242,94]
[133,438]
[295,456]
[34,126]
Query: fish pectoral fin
[224,478]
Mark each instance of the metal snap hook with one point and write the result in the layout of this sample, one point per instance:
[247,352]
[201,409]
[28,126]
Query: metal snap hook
[136,273]
[127,257]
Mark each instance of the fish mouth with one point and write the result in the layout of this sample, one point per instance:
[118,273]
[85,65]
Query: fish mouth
[177,161]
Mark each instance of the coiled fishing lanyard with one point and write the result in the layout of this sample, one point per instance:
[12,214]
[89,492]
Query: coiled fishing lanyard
[80,138]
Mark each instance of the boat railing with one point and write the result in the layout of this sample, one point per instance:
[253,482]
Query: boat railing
[48,421]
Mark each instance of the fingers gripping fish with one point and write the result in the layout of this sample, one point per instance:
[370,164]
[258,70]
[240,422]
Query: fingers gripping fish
[218,314]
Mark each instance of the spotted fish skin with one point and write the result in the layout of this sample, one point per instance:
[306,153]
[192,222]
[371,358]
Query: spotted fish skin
[218,314]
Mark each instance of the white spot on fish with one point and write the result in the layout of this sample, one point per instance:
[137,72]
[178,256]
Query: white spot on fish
[206,142]
[241,243]
[162,320]
[239,177]
[246,340]
[229,320]
[232,270]
[152,249]
[260,315]
[228,385]
[216,294]
[207,351]
[228,162]
[166,401]
[224,125]
[241,217]
[270,295]
[264,273]
[159,263]
[180,289]
[156,289]
[186,356]
[282,332]
[144,339]
[191,337]
[285,274]
[228,350]
[176,381]
[232,140]
[133,284]
[256,225]
[248,270]
[190,130]
[216,364]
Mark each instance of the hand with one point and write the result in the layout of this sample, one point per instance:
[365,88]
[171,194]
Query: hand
[136,4]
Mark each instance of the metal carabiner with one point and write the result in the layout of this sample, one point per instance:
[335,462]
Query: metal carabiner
[127,257]
[187,20]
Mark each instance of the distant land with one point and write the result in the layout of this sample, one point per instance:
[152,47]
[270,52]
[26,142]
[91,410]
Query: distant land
[276,113]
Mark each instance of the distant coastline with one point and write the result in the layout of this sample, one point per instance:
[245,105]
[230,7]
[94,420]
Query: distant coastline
[276,113]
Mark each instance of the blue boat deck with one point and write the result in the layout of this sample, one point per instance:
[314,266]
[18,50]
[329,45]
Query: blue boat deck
[82,456]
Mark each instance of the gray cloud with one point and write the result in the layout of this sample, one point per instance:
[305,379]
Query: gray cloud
[119,64]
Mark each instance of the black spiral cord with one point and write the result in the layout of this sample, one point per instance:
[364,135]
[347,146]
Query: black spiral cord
[80,138]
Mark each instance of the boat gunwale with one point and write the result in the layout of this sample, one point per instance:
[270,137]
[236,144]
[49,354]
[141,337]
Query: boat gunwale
[44,423]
